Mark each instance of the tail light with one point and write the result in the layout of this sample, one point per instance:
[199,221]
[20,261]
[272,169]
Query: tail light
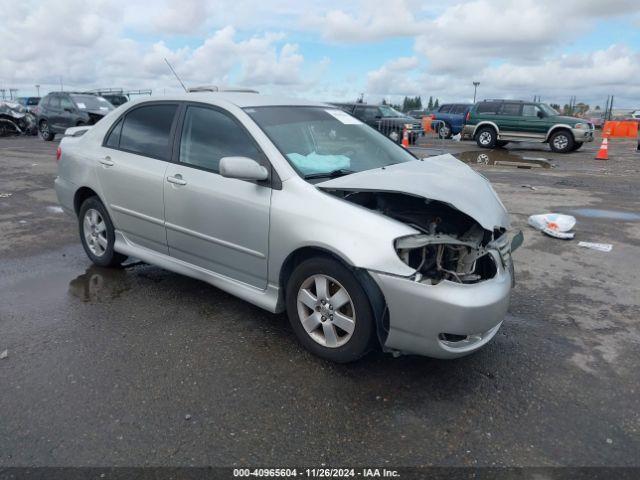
[468,116]
[58,154]
[433,116]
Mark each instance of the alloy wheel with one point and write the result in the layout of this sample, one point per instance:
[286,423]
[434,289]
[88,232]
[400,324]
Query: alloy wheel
[95,232]
[485,138]
[326,311]
[560,142]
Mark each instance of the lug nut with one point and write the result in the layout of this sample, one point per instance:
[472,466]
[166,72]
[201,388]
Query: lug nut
[323,301]
[324,318]
[330,307]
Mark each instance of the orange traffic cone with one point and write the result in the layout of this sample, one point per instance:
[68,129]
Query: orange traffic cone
[405,138]
[603,153]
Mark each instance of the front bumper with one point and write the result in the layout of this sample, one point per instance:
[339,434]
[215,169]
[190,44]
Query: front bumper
[581,135]
[420,313]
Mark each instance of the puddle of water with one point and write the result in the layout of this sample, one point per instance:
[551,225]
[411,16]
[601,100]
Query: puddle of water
[99,284]
[501,157]
[608,214]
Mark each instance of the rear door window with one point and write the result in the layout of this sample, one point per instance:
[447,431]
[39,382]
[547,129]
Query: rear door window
[488,107]
[511,109]
[445,109]
[458,109]
[54,102]
[147,131]
[113,140]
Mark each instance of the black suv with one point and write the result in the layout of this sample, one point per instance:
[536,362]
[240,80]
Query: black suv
[385,119]
[61,110]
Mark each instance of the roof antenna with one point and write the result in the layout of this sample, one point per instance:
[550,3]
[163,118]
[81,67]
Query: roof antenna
[174,72]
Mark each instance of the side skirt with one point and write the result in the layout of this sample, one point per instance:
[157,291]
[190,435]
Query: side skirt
[267,298]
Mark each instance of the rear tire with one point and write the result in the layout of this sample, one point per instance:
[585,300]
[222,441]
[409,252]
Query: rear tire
[97,234]
[45,131]
[329,310]
[561,141]
[445,131]
[486,137]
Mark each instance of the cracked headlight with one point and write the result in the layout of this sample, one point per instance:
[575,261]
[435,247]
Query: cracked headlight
[582,126]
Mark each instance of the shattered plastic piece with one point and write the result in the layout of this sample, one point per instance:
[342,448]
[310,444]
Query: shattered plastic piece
[4,354]
[5,195]
[601,247]
[530,187]
[55,209]
[457,137]
[554,224]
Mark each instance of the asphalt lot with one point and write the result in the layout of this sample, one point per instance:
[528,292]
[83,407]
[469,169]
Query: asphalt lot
[141,366]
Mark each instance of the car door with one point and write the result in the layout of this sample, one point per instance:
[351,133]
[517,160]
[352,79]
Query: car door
[131,171]
[54,113]
[533,121]
[509,119]
[220,224]
[68,114]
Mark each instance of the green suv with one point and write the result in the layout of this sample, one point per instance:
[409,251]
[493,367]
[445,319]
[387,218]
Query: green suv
[494,123]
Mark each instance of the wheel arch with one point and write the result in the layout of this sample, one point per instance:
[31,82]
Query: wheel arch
[556,127]
[371,288]
[485,123]
[81,195]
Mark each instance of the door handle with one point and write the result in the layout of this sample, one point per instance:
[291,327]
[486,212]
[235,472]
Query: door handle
[107,162]
[177,180]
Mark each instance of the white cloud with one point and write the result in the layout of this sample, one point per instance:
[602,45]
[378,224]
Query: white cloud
[394,77]
[372,21]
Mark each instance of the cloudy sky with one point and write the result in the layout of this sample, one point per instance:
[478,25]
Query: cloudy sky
[330,50]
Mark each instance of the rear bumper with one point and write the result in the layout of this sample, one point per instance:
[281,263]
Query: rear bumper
[65,190]
[421,314]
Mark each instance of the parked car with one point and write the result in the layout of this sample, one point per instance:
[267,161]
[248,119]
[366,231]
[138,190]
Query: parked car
[452,117]
[494,123]
[58,111]
[385,119]
[115,99]
[416,113]
[297,206]
[596,119]
[15,119]
[28,102]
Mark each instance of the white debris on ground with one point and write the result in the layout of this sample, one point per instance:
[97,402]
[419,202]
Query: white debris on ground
[5,195]
[556,225]
[55,209]
[4,354]
[601,247]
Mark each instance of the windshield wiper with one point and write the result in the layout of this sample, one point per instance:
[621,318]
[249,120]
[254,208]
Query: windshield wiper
[340,172]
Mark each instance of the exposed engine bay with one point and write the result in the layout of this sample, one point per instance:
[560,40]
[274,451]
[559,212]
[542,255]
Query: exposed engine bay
[452,245]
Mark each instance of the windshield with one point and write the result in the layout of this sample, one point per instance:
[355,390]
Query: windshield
[387,111]
[91,102]
[548,110]
[323,142]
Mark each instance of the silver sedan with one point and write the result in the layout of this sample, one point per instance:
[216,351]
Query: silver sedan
[296,206]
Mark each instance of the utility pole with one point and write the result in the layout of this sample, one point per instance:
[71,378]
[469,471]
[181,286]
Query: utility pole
[475,89]
[38,88]
[61,86]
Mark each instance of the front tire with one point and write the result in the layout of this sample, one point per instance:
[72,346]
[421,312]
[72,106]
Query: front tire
[97,234]
[329,310]
[486,137]
[45,131]
[561,141]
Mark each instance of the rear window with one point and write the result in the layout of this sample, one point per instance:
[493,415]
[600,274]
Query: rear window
[91,102]
[459,109]
[488,107]
[147,131]
[445,109]
[32,101]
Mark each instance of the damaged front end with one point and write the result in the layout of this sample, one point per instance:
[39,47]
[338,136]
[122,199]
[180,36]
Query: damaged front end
[451,246]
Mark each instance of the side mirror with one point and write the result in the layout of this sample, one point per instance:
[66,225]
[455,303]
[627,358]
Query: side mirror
[242,168]
[540,114]
[70,110]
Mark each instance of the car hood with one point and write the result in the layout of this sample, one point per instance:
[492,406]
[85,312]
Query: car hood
[569,120]
[443,178]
